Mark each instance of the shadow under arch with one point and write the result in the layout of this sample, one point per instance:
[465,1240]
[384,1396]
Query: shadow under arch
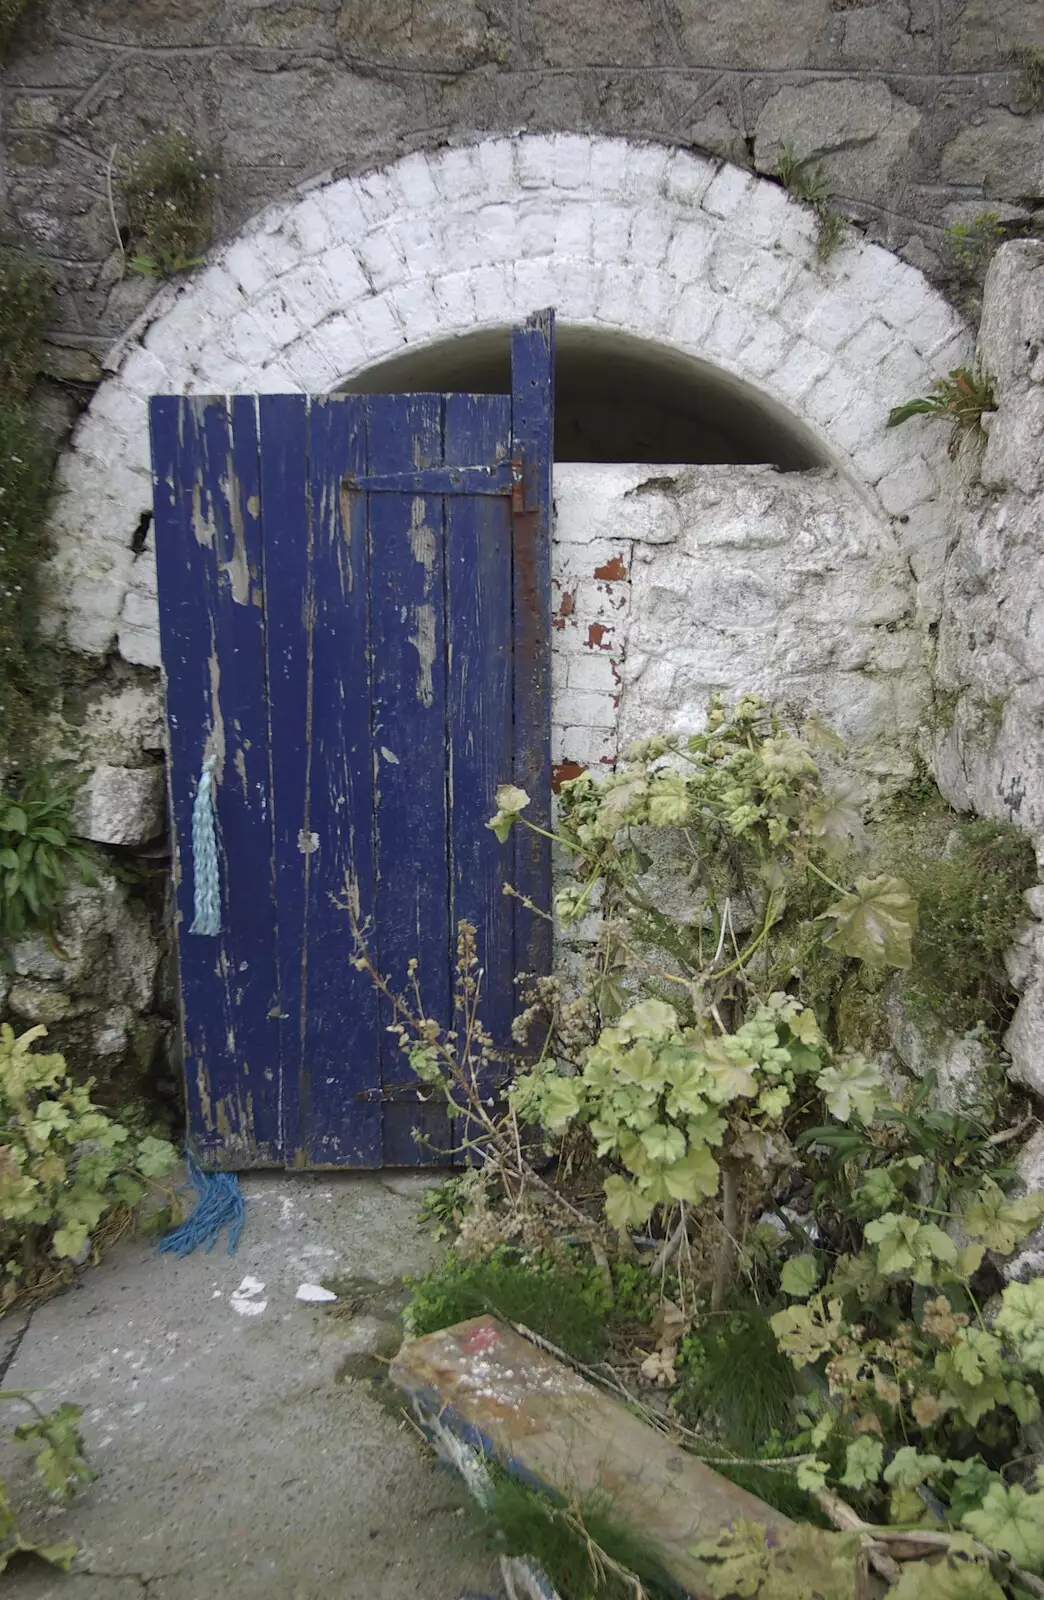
[618,398]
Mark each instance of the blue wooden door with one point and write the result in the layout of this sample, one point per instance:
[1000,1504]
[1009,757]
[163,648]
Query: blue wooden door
[354,616]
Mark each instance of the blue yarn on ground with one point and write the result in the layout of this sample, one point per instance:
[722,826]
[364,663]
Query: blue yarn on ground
[219,1205]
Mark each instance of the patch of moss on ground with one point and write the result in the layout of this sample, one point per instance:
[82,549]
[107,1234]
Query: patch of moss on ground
[564,1303]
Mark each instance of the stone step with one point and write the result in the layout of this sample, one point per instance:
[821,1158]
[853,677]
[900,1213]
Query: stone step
[503,1395]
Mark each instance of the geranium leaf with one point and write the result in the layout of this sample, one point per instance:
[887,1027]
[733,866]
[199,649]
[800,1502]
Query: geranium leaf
[999,1222]
[864,1458]
[1011,1520]
[625,1205]
[799,1276]
[874,923]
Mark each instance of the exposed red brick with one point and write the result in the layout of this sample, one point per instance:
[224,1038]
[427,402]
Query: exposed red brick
[563,772]
[612,570]
[595,635]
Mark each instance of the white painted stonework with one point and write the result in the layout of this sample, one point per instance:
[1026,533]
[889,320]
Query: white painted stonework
[674,583]
[661,244]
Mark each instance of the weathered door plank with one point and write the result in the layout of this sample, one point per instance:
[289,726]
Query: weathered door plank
[480,732]
[290,621]
[411,894]
[208,556]
[340,1069]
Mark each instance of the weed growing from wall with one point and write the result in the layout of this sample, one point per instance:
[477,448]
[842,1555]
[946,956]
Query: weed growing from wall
[40,853]
[170,201]
[1031,75]
[970,244]
[810,186]
[963,397]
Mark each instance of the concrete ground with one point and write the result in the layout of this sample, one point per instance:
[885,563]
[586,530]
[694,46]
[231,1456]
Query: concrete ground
[244,1451]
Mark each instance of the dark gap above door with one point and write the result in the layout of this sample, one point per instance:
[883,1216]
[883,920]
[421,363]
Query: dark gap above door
[617,399]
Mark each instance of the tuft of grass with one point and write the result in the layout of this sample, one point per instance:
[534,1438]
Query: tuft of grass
[797,175]
[570,1544]
[562,1302]
[962,397]
[1030,62]
[170,205]
[809,185]
[830,232]
[735,1380]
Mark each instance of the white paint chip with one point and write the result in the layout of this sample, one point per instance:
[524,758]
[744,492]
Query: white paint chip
[245,1298]
[315,1294]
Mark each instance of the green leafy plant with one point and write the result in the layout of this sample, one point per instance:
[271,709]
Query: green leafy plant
[962,398]
[40,854]
[60,1466]
[971,243]
[912,1369]
[801,1564]
[680,1094]
[64,1165]
[170,199]
[553,1296]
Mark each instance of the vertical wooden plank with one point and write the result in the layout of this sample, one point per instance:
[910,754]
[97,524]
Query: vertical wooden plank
[340,1067]
[409,733]
[289,611]
[478,626]
[532,385]
[208,556]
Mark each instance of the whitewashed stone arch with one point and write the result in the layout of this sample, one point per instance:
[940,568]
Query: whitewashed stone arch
[661,244]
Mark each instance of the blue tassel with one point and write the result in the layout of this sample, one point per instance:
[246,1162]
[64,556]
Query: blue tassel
[206,881]
[219,1204]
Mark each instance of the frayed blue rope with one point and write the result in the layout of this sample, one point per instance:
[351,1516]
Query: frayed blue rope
[206,882]
[219,1204]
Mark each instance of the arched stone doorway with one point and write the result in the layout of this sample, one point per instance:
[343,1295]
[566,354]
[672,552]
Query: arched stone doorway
[635,241]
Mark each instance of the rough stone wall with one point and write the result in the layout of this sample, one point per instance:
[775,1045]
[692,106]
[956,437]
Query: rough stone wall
[989,745]
[916,108]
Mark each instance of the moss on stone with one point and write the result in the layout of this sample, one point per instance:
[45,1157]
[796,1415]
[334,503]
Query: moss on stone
[12,15]
[969,878]
[25,477]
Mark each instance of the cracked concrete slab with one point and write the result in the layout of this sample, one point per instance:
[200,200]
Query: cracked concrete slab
[231,1458]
